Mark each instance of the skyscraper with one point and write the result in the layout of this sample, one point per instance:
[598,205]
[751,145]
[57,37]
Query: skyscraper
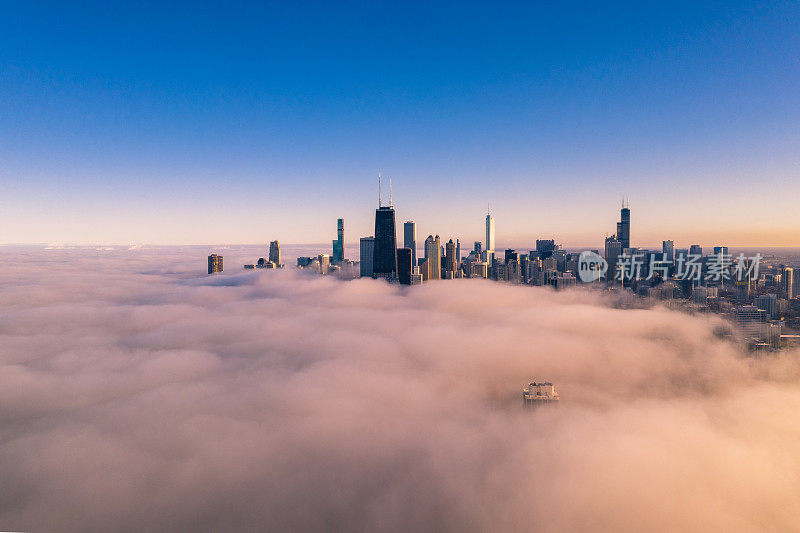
[367,249]
[695,249]
[458,254]
[489,233]
[545,247]
[613,251]
[384,262]
[668,249]
[275,253]
[410,239]
[404,267]
[424,271]
[214,263]
[450,256]
[432,257]
[338,244]
[624,226]
[324,263]
[787,282]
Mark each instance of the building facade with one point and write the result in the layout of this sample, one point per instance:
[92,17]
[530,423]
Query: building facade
[275,253]
[489,233]
[338,244]
[433,257]
[410,239]
[214,263]
[384,260]
[404,266]
[367,252]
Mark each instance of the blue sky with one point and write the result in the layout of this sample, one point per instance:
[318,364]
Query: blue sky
[238,123]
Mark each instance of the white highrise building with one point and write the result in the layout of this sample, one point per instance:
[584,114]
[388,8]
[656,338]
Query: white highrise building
[489,233]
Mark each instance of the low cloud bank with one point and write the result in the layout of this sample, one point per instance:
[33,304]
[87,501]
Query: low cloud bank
[137,393]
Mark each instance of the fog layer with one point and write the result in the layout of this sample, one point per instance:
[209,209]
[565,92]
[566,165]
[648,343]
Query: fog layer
[137,393]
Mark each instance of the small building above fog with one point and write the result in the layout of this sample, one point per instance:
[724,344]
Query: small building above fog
[539,393]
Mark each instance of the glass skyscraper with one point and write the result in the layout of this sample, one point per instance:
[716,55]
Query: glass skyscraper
[384,262]
[624,227]
[404,267]
[367,254]
[410,239]
[338,244]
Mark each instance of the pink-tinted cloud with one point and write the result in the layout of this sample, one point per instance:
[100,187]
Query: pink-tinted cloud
[136,393]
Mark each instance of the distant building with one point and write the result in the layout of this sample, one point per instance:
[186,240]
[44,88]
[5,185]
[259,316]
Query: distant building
[545,247]
[767,303]
[563,281]
[404,266]
[416,276]
[367,254]
[539,394]
[214,263]
[787,283]
[410,239]
[450,256]
[458,254]
[249,267]
[513,272]
[303,262]
[696,249]
[384,261]
[324,263]
[338,244]
[624,226]
[749,320]
[275,253]
[668,249]
[613,251]
[424,269]
[432,257]
[489,233]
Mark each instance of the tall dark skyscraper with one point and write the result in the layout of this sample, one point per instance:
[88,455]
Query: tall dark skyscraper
[450,256]
[384,262]
[613,251]
[410,239]
[404,266]
[545,247]
[624,226]
[338,244]
[367,255]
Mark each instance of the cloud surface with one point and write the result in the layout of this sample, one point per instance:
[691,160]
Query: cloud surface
[137,393]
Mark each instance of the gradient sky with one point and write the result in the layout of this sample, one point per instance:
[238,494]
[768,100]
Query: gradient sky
[243,123]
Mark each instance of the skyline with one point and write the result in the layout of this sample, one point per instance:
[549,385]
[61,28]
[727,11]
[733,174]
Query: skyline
[502,243]
[127,126]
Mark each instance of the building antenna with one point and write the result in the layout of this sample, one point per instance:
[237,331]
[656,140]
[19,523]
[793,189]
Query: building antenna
[380,201]
[390,191]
